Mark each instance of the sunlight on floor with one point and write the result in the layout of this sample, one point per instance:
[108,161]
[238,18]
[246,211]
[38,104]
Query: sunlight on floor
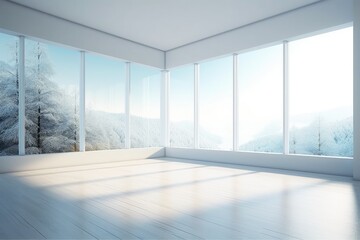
[196,199]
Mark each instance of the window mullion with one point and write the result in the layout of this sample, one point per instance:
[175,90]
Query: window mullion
[21,95]
[82,103]
[196,105]
[285,98]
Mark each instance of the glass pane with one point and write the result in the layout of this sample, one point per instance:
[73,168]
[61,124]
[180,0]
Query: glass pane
[145,106]
[321,77]
[260,79]
[216,104]
[181,112]
[105,103]
[9,82]
[51,108]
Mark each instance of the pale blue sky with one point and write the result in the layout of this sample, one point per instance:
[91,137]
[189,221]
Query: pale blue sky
[330,59]
[64,62]
[321,72]
[216,99]
[260,93]
[145,90]
[104,84]
[320,79]
[7,45]
[181,97]
[105,80]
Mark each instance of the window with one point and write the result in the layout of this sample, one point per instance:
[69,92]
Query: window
[51,98]
[105,103]
[216,104]
[260,86]
[181,104]
[320,80]
[145,107]
[320,99]
[9,92]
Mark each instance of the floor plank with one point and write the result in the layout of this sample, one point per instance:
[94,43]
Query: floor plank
[176,199]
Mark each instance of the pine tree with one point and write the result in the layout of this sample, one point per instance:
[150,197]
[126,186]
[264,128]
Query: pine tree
[293,140]
[9,97]
[49,115]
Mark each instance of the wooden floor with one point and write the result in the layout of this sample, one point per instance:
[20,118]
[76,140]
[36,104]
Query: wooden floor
[177,199]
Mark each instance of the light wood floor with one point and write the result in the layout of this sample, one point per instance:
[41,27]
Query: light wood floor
[177,199]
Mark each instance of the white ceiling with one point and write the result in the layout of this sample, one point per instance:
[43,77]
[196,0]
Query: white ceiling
[164,24]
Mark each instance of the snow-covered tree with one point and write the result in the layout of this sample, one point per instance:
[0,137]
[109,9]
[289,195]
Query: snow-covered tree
[145,132]
[104,131]
[318,140]
[182,134]
[9,95]
[293,140]
[50,122]
[343,137]
[270,143]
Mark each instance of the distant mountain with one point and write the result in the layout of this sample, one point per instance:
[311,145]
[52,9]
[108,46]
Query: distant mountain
[332,115]
[322,136]
[106,131]
[182,135]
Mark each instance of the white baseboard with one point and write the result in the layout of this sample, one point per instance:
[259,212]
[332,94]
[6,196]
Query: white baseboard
[54,160]
[304,163]
[315,164]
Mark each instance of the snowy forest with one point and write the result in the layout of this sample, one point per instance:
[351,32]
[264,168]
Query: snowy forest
[320,137]
[52,112]
[52,120]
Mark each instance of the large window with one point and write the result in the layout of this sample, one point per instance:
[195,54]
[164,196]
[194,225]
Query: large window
[320,79]
[51,98]
[260,102]
[181,113]
[216,104]
[9,94]
[145,107]
[320,103]
[105,103]
[320,99]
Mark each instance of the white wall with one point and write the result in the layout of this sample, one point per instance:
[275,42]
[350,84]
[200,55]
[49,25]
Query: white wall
[324,15]
[312,18]
[18,19]
[316,17]
[54,160]
[315,164]
[356,89]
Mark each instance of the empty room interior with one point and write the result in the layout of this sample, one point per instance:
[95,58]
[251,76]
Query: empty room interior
[180,119]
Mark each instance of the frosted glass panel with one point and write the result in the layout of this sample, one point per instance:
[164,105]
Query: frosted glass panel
[51,98]
[145,106]
[181,109]
[215,104]
[260,80]
[105,103]
[321,76]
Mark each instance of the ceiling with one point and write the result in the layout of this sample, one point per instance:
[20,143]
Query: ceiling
[164,24]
